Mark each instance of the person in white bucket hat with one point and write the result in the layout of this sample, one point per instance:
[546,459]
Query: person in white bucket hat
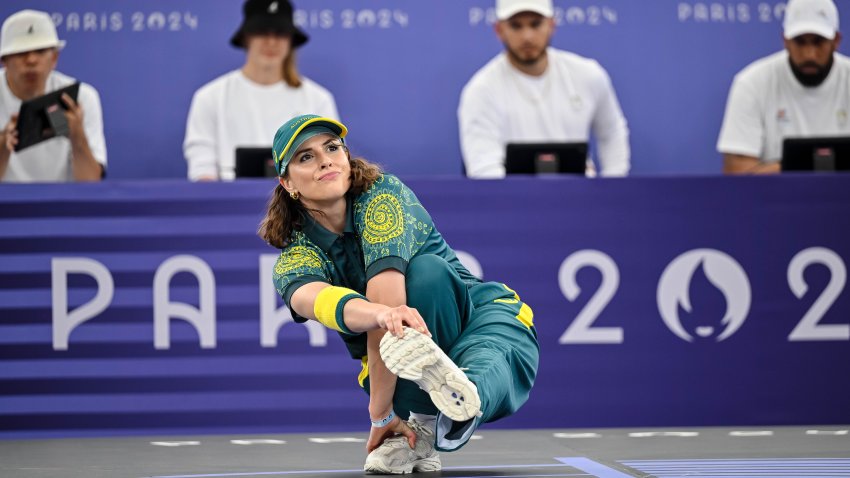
[29,52]
[801,91]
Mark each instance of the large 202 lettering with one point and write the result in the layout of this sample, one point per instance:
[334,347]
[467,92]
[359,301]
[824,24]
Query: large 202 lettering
[809,328]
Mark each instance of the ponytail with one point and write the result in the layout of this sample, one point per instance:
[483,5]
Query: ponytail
[290,70]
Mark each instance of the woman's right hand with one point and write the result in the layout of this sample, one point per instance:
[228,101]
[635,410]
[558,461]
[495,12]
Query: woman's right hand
[393,319]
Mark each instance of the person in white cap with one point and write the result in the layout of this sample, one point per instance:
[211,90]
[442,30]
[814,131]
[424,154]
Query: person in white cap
[242,107]
[29,50]
[802,91]
[535,93]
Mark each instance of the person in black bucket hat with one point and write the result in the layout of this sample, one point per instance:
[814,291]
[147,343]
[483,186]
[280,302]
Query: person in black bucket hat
[264,16]
[237,109]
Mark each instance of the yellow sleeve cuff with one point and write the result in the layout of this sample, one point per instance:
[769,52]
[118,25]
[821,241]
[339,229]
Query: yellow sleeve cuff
[329,305]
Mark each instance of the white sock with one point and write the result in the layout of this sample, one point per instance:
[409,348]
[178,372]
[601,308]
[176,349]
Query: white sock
[429,421]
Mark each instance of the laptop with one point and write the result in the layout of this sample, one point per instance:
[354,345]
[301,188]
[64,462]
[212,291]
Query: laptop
[546,158]
[816,154]
[255,163]
[42,118]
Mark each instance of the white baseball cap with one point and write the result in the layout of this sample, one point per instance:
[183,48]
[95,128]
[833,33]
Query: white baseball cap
[28,30]
[819,17]
[507,8]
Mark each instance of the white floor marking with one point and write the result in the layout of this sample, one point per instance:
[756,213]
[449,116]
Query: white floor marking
[258,442]
[175,443]
[663,434]
[751,433]
[337,440]
[577,435]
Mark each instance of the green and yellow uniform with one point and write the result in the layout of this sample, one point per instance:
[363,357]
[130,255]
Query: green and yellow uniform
[482,326]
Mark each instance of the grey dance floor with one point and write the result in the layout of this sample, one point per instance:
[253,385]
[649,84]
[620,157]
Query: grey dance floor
[799,452]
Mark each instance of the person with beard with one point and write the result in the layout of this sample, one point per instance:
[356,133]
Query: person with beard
[29,51]
[535,93]
[801,91]
[238,108]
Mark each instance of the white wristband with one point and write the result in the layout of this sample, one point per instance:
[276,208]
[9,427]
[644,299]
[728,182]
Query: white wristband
[385,421]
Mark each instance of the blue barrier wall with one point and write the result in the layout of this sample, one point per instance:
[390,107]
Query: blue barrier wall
[147,307]
[397,69]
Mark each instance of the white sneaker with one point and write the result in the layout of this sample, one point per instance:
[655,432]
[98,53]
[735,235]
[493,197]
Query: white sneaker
[416,357]
[394,456]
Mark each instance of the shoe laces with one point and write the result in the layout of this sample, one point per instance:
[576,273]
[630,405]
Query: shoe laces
[397,441]
[419,427]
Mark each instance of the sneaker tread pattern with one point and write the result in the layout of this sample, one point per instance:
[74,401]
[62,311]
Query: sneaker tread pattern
[417,358]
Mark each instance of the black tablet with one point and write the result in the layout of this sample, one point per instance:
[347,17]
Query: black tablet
[816,154]
[42,118]
[255,163]
[546,158]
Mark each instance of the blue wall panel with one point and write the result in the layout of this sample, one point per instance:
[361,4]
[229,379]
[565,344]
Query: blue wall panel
[658,301]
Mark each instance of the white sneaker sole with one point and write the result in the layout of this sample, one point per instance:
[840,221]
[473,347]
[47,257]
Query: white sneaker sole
[424,465]
[417,358]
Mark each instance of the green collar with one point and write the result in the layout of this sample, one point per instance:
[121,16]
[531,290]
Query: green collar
[322,237]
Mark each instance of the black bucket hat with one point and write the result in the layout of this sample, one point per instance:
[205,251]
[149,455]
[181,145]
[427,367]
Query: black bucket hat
[264,16]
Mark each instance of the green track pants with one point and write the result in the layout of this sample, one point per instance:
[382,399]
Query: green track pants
[484,329]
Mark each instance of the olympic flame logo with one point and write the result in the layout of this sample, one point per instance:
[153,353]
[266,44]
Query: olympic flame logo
[722,272]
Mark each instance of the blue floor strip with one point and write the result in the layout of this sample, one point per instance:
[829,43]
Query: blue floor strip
[762,468]
[360,470]
[589,466]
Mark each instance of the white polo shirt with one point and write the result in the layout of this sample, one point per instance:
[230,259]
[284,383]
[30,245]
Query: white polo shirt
[767,104]
[233,111]
[573,99]
[50,160]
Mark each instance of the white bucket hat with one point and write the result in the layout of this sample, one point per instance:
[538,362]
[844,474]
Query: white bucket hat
[28,30]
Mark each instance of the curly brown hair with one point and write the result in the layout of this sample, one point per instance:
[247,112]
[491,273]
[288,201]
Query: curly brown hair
[285,215]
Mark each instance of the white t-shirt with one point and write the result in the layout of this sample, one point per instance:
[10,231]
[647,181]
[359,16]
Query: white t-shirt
[50,161]
[571,100]
[233,111]
[767,104]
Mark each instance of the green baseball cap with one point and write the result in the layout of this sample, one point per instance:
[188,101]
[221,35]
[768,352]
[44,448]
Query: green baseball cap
[297,130]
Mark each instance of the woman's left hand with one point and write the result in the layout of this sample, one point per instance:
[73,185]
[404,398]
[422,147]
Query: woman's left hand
[395,427]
